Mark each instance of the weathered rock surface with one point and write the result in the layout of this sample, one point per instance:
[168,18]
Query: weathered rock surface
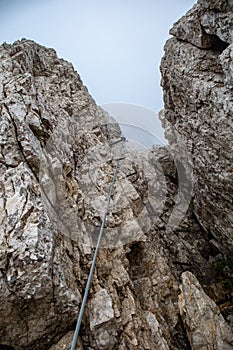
[57,165]
[56,169]
[197,83]
[198,106]
[207,328]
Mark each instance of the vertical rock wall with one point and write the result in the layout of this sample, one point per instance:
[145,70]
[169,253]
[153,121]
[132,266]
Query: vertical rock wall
[197,82]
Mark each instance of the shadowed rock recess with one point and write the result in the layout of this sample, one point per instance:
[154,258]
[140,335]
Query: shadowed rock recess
[152,288]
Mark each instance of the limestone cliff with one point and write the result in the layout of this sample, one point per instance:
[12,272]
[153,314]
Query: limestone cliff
[198,101]
[57,162]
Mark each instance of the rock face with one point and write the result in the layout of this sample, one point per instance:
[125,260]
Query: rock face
[198,101]
[57,164]
[57,160]
[207,329]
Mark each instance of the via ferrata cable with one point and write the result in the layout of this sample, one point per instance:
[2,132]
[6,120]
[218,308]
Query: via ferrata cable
[80,316]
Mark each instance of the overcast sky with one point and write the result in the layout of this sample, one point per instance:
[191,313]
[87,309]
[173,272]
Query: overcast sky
[115,45]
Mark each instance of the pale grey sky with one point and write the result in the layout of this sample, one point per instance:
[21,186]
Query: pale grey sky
[115,45]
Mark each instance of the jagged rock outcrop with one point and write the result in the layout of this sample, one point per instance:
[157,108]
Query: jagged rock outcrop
[57,165]
[206,327]
[198,104]
[56,169]
[197,83]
